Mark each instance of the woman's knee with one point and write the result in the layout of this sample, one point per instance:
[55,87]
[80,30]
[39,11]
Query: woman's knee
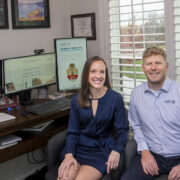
[88,173]
[70,174]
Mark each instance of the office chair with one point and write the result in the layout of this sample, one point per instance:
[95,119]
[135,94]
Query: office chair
[131,152]
[54,147]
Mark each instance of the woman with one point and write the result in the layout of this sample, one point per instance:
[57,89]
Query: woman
[91,148]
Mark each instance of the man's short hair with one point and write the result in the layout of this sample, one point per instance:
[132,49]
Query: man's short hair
[154,51]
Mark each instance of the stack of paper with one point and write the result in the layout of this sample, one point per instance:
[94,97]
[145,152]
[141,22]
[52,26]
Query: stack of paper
[6,117]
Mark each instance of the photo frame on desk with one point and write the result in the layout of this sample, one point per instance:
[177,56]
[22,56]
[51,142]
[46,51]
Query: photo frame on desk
[6,102]
[3,15]
[83,25]
[30,14]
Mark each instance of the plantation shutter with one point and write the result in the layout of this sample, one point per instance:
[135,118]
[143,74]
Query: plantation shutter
[133,26]
[177,37]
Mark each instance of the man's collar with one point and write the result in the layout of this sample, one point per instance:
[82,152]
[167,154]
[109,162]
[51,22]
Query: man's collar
[165,87]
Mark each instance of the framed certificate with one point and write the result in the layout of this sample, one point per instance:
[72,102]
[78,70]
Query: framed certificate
[83,25]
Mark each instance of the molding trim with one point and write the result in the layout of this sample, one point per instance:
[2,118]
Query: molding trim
[170,37]
[104,32]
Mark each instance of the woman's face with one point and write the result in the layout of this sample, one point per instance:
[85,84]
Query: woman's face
[97,75]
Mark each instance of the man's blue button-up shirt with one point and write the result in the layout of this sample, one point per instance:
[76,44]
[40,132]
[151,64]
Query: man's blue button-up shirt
[155,118]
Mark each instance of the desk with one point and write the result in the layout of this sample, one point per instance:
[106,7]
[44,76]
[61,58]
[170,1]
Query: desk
[31,141]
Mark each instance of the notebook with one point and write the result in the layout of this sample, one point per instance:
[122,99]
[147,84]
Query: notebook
[6,117]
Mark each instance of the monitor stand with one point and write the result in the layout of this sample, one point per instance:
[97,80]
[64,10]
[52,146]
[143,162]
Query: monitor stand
[43,93]
[25,97]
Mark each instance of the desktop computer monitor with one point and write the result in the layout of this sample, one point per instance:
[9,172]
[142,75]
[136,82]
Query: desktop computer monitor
[71,54]
[25,73]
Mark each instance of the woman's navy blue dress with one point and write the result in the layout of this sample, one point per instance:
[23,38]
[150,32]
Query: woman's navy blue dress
[91,138]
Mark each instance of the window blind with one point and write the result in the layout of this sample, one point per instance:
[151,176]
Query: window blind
[177,37]
[133,26]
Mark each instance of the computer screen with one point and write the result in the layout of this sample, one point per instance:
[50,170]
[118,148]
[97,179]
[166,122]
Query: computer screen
[24,73]
[71,54]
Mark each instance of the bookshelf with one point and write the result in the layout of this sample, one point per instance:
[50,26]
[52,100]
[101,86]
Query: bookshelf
[31,141]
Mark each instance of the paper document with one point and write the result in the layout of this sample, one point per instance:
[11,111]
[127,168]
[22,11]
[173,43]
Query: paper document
[6,117]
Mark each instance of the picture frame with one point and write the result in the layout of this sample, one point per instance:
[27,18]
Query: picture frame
[30,14]
[3,15]
[83,25]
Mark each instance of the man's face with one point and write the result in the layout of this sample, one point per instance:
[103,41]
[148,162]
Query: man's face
[155,69]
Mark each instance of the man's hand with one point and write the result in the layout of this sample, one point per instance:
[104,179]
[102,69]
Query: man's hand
[65,165]
[174,173]
[113,161]
[149,164]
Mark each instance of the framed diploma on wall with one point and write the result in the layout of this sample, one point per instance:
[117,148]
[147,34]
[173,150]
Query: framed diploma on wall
[83,25]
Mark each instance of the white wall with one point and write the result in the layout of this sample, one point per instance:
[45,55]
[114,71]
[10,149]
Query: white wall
[82,7]
[22,42]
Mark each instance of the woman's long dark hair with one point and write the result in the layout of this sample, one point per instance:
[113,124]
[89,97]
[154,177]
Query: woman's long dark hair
[84,91]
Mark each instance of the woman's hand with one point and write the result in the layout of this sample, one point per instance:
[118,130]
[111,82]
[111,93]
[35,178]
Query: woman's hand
[65,165]
[113,160]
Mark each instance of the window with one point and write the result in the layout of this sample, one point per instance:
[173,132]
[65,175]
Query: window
[134,25]
[177,37]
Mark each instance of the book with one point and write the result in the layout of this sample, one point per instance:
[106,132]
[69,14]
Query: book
[9,139]
[8,145]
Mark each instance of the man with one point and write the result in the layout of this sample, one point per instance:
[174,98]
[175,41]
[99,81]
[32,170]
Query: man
[154,114]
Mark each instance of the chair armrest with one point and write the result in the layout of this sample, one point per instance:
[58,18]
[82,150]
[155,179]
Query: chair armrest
[130,152]
[54,146]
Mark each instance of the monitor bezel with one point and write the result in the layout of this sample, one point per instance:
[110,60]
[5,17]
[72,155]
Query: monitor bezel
[28,89]
[57,76]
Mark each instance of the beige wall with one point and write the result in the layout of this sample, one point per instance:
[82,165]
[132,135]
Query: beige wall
[21,42]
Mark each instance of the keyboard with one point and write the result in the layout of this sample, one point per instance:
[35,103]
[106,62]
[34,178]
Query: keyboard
[49,106]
